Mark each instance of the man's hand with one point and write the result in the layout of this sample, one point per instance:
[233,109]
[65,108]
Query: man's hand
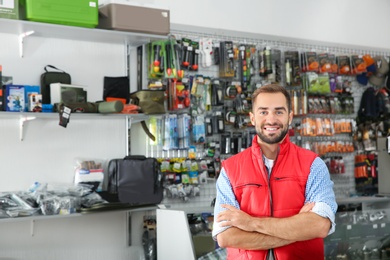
[307,207]
[234,217]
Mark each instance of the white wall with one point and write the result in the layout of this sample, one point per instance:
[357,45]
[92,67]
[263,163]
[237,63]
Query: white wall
[86,62]
[49,151]
[96,236]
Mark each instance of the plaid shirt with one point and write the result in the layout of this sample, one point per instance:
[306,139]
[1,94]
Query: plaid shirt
[217,254]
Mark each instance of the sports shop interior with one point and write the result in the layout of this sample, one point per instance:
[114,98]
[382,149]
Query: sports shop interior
[116,116]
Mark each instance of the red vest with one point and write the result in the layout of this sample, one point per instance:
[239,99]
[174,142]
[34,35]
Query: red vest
[283,196]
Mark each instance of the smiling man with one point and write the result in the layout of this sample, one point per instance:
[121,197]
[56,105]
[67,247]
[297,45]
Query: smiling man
[275,200]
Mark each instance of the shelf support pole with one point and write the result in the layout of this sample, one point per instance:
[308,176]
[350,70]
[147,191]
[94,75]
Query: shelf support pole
[128,129]
[32,227]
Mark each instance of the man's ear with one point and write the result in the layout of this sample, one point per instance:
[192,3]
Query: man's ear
[290,118]
[252,118]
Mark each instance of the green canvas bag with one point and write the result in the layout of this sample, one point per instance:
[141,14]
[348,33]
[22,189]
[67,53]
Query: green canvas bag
[150,101]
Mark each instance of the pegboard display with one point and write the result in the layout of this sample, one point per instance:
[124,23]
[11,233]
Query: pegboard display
[344,184]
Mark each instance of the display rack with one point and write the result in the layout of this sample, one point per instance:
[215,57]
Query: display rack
[362,230]
[263,39]
[344,184]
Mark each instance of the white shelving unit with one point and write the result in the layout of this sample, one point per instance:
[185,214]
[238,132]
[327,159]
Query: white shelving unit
[37,29]
[25,117]
[103,136]
[19,27]
[49,116]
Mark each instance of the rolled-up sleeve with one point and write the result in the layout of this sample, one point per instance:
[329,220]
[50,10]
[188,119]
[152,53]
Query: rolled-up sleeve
[225,195]
[319,189]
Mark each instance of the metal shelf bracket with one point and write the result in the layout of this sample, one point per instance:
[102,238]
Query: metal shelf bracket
[21,39]
[21,124]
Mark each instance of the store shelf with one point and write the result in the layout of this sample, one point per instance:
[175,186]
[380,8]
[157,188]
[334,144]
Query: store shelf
[191,210]
[18,27]
[361,199]
[24,117]
[54,116]
[363,221]
[39,217]
[34,218]
[59,216]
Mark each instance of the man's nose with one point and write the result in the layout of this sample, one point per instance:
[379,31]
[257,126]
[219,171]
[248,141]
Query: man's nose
[271,118]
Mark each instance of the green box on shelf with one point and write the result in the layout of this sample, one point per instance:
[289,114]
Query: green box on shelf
[9,9]
[83,13]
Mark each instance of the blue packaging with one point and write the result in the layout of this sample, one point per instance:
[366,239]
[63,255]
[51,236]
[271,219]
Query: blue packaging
[15,98]
[29,90]
[47,108]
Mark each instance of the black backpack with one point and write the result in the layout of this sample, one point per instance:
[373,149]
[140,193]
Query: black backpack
[50,76]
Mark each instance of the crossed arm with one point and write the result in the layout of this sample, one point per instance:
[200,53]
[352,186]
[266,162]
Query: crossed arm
[253,233]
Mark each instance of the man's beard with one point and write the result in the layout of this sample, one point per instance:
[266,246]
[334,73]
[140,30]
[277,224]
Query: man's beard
[272,139]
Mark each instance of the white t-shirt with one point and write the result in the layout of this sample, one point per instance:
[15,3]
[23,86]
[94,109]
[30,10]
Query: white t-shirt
[269,164]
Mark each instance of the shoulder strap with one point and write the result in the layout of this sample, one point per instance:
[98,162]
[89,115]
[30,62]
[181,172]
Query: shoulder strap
[135,157]
[146,129]
[52,67]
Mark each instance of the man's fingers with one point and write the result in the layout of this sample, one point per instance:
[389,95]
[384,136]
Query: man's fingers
[310,205]
[224,223]
[229,207]
[226,214]
[307,207]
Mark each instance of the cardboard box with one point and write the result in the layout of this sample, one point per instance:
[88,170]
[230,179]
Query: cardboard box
[83,13]
[9,9]
[67,93]
[29,90]
[35,103]
[125,17]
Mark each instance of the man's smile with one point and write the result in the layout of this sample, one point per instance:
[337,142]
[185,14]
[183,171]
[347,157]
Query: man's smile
[271,128]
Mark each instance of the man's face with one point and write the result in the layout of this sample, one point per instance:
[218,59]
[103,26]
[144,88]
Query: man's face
[270,117]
